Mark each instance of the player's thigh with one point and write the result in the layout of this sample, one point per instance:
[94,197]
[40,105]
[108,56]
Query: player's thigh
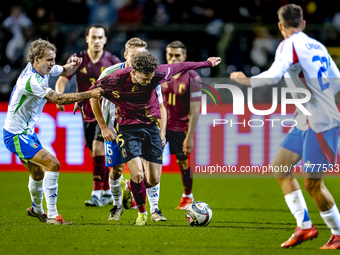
[152,149]
[98,142]
[89,132]
[284,159]
[46,160]
[153,172]
[136,169]
[176,140]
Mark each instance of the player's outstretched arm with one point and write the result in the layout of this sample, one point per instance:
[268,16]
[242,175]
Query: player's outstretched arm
[60,88]
[188,143]
[240,78]
[72,66]
[70,98]
[107,133]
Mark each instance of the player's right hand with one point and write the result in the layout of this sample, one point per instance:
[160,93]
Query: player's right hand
[215,61]
[60,108]
[97,92]
[80,108]
[107,134]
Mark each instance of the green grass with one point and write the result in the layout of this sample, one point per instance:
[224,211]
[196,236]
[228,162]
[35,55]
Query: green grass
[249,217]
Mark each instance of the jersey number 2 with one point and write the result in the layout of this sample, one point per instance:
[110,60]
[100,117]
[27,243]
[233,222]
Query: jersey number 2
[322,69]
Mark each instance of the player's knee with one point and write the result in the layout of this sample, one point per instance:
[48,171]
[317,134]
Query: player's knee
[154,180]
[312,186]
[137,177]
[54,165]
[183,164]
[116,171]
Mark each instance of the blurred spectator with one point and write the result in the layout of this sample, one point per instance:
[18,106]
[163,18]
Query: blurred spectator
[130,13]
[202,11]
[15,23]
[102,12]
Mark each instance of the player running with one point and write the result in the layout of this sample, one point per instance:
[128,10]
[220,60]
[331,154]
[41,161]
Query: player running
[132,89]
[95,60]
[305,63]
[106,118]
[183,107]
[28,98]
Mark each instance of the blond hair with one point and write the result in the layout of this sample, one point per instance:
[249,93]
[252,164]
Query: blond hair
[38,49]
[135,42]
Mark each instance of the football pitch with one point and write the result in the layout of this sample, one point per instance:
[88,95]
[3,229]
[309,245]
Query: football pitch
[249,217]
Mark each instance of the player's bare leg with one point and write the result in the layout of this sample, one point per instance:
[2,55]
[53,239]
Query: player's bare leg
[187,197]
[138,188]
[47,161]
[314,185]
[153,172]
[117,190]
[294,198]
[36,189]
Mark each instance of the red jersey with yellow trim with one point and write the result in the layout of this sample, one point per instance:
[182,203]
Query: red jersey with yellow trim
[177,95]
[135,102]
[88,72]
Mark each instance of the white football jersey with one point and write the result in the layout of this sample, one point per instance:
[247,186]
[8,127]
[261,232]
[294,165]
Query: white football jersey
[305,63]
[27,100]
[109,108]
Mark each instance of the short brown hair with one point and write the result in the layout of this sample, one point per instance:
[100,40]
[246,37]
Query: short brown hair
[178,44]
[38,49]
[87,30]
[144,62]
[290,15]
[135,42]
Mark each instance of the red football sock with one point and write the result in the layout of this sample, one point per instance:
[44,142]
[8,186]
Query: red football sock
[99,172]
[139,193]
[106,182]
[187,180]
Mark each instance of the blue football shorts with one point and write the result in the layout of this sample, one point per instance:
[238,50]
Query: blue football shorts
[113,156]
[318,150]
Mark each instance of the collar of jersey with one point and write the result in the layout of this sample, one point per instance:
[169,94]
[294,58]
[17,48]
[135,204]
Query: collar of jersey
[34,71]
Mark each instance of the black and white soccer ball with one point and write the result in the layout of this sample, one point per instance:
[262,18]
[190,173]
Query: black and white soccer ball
[198,214]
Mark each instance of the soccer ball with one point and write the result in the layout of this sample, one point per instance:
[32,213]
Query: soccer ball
[198,214]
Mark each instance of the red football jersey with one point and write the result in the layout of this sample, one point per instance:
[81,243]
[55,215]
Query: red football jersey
[177,95]
[88,72]
[134,101]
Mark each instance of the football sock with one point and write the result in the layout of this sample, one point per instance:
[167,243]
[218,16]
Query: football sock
[97,193]
[106,182]
[51,193]
[298,208]
[153,197]
[187,180]
[99,174]
[116,192]
[37,194]
[332,219]
[188,196]
[107,192]
[139,193]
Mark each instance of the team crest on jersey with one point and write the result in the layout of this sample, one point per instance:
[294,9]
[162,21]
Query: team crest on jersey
[83,70]
[34,145]
[124,153]
[109,161]
[134,89]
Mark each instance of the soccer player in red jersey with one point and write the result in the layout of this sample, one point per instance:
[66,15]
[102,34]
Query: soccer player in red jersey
[95,60]
[183,107]
[133,91]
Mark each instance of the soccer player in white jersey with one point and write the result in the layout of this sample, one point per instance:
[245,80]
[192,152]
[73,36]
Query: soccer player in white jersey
[305,63]
[27,101]
[106,119]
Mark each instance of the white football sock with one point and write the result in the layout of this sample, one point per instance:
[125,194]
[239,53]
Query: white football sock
[97,193]
[153,197]
[37,194]
[51,193]
[297,206]
[116,191]
[332,219]
[188,196]
[107,192]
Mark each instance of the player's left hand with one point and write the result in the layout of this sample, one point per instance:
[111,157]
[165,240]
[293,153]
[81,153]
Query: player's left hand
[163,139]
[76,61]
[188,145]
[240,78]
[214,61]
[80,108]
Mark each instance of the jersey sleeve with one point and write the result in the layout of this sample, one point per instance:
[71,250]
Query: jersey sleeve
[111,69]
[56,70]
[37,87]
[159,94]
[334,76]
[284,58]
[109,111]
[195,87]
